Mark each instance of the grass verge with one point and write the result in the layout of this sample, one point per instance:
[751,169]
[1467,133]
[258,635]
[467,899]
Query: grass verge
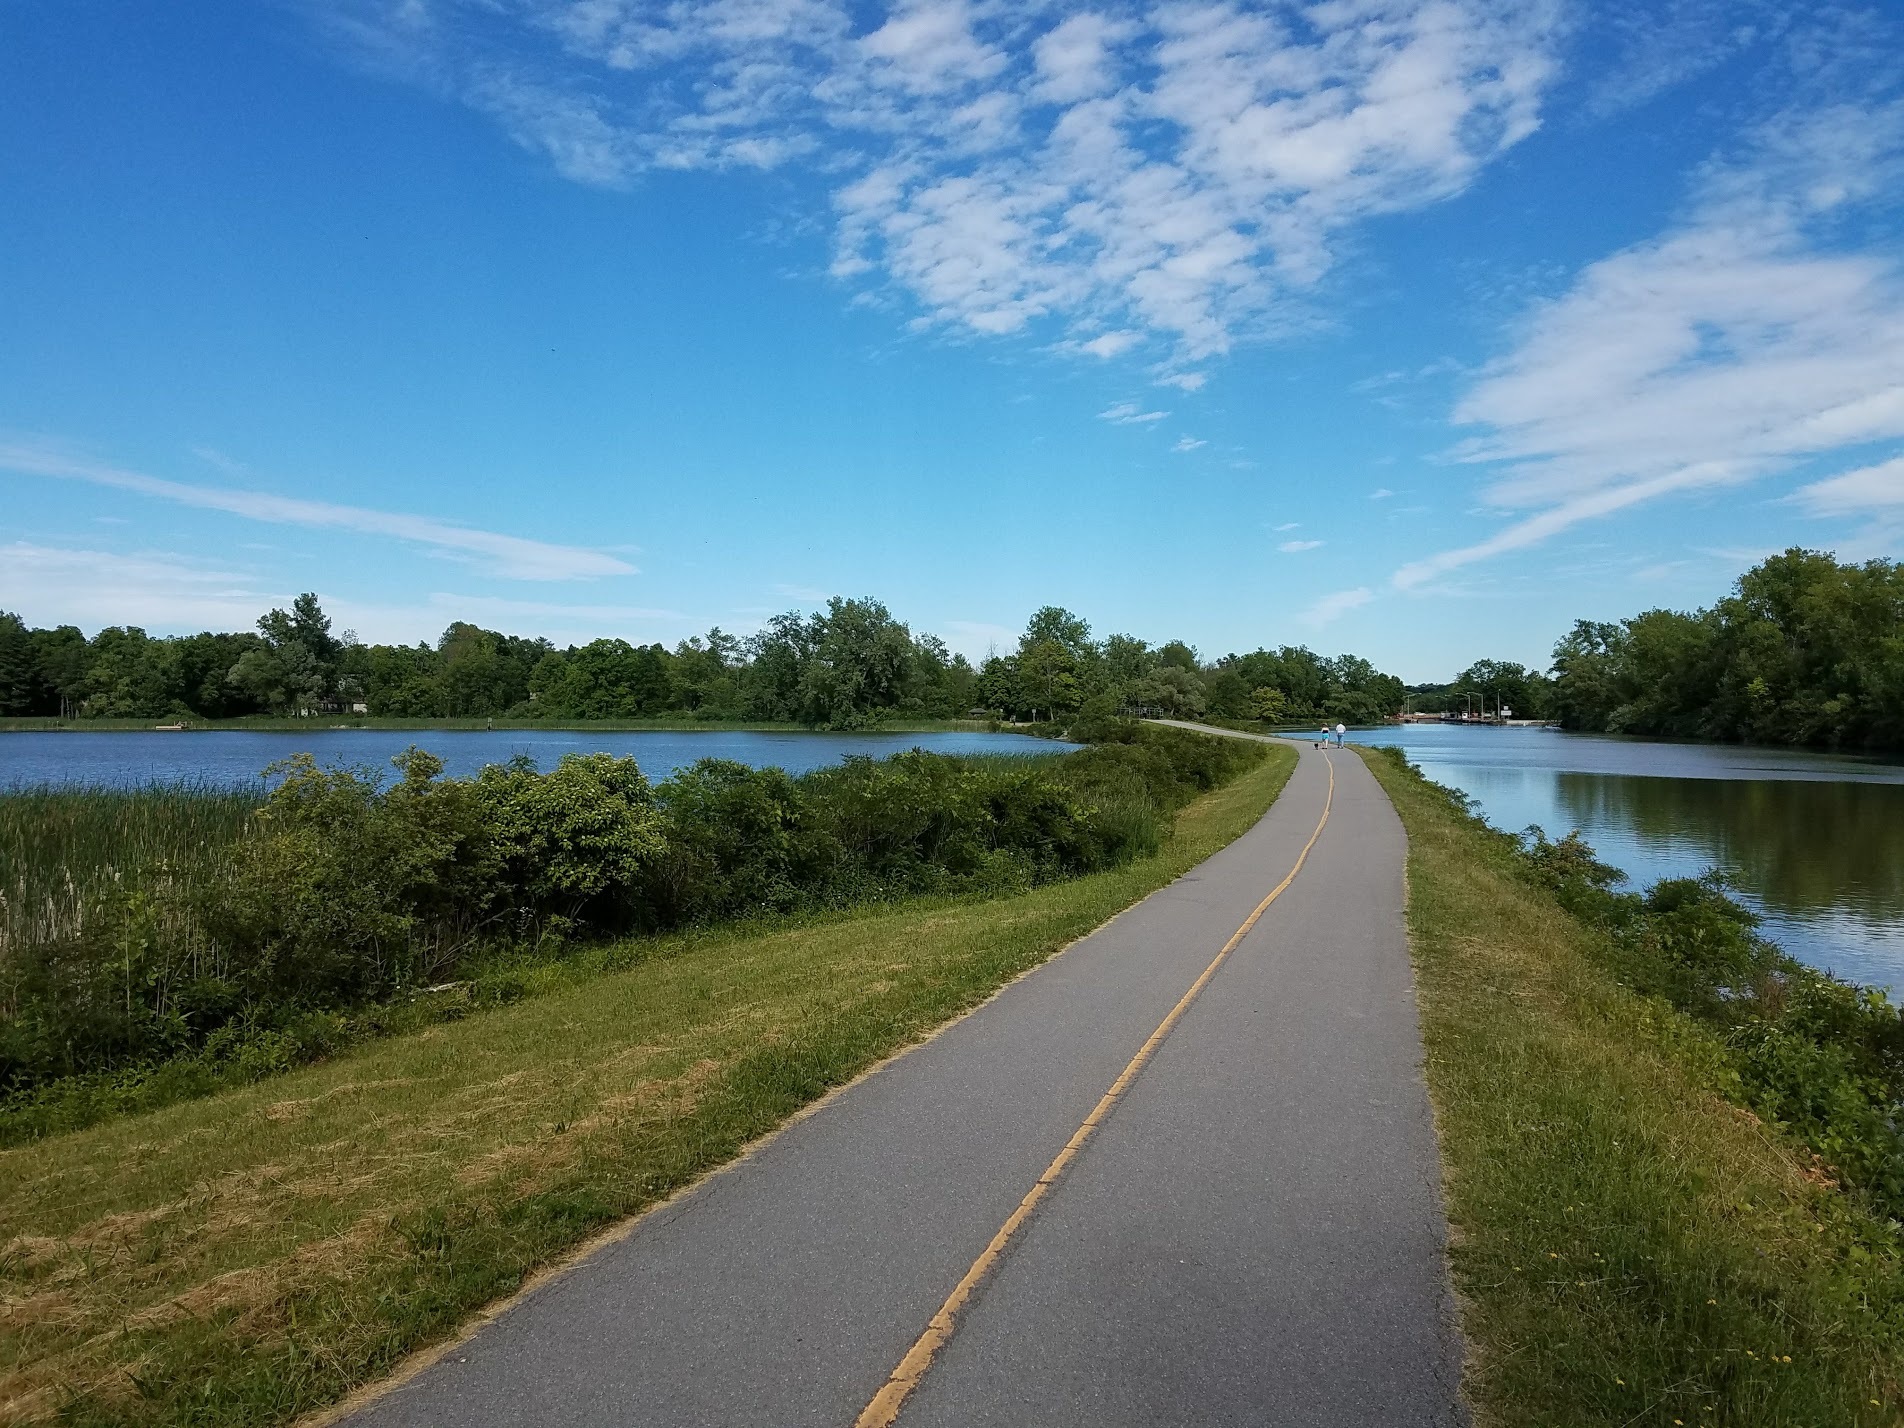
[1630,1247]
[247,1257]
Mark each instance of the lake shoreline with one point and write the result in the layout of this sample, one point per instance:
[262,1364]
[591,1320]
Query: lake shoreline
[1814,841]
[1631,1243]
[327,722]
[233,757]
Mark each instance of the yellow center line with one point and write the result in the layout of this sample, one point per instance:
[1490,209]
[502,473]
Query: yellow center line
[883,1411]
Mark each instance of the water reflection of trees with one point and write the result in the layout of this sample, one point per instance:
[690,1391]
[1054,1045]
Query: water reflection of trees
[1802,847]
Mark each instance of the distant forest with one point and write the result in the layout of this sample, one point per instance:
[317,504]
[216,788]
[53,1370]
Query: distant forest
[847,666]
[1807,650]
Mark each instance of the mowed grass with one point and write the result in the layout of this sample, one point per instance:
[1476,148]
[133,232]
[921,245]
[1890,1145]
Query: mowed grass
[247,1257]
[1630,1248]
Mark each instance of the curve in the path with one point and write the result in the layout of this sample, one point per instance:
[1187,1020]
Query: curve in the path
[1252,1234]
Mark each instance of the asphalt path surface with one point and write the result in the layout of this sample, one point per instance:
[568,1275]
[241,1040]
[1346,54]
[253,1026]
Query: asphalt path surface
[1253,1236]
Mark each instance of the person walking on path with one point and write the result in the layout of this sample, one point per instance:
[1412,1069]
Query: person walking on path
[1322,737]
[1340,730]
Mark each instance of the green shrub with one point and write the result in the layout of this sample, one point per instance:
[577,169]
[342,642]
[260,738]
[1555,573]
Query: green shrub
[349,889]
[1820,1056]
[275,941]
[730,845]
[571,844]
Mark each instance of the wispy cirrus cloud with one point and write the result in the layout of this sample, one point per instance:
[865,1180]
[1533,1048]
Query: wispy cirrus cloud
[1129,414]
[1873,493]
[976,639]
[1867,491]
[52,585]
[1296,547]
[168,592]
[505,555]
[805,594]
[1745,340]
[1170,174]
[1330,608]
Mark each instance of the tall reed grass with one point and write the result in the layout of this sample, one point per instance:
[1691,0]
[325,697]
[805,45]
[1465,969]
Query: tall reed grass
[70,856]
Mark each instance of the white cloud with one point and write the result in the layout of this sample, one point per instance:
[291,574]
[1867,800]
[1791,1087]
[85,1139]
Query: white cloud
[561,624]
[1183,381]
[1331,608]
[1129,414]
[169,593]
[1875,493]
[1291,547]
[805,594]
[975,639]
[1076,58]
[1735,345]
[1188,443]
[929,48]
[1185,171]
[1286,526]
[1110,344]
[48,585]
[1658,44]
[506,555]
[1380,494]
[1869,490]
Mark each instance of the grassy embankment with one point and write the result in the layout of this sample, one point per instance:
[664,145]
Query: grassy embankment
[246,1257]
[1630,1246]
[272,724]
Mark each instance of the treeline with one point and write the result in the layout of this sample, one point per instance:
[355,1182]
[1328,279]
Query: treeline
[171,928]
[1488,687]
[1806,650]
[847,666]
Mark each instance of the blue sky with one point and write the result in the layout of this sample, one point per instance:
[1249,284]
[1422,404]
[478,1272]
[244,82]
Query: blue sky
[1417,328]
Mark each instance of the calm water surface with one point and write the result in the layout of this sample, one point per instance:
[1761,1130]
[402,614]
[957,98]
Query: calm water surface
[1816,841]
[235,756]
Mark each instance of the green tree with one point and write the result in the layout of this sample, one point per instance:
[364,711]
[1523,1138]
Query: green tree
[858,667]
[1173,691]
[1589,674]
[1502,685]
[1048,678]
[62,654]
[21,689]
[305,654]
[1269,705]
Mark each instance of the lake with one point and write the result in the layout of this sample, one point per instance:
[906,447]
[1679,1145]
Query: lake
[236,756]
[1816,841]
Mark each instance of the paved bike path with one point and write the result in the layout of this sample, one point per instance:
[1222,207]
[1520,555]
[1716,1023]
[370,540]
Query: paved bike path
[1253,1237]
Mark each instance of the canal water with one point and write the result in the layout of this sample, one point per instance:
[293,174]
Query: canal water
[237,756]
[1815,841]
